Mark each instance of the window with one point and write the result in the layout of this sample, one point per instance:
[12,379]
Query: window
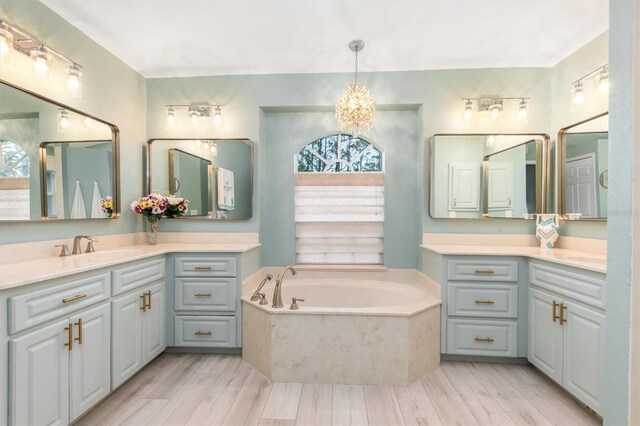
[14,161]
[352,155]
[339,202]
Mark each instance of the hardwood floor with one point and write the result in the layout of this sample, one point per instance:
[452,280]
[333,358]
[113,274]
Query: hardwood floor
[178,389]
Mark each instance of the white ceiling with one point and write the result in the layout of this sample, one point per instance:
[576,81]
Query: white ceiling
[171,38]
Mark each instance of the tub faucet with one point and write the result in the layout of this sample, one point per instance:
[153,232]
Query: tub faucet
[256,294]
[277,291]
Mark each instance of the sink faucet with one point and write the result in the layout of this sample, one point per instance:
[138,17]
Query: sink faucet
[277,291]
[78,239]
[256,294]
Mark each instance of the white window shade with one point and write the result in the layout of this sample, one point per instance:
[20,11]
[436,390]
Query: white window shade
[339,218]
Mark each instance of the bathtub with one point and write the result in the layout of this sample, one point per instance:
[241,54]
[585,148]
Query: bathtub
[353,327]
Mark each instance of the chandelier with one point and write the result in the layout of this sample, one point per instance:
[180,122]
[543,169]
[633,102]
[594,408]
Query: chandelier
[356,108]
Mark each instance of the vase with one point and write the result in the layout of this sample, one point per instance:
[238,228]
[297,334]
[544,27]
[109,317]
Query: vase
[547,226]
[152,232]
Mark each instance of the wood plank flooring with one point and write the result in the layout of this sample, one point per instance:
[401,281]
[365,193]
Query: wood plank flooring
[180,389]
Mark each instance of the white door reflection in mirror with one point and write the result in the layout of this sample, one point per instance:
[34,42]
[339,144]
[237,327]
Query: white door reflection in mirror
[581,186]
[500,177]
[464,187]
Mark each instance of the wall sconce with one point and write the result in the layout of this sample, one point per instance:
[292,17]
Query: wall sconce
[494,105]
[14,39]
[601,78]
[195,112]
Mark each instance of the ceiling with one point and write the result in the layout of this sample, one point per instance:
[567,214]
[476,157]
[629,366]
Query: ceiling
[170,38]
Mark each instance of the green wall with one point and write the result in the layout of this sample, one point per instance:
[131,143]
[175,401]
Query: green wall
[111,90]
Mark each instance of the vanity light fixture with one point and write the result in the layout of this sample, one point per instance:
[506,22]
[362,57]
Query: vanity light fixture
[603,80]
[601,77]
[494,105]
[63,119]
[40,58]
[468,109]
[578,94]
[171,116]
[522,109]
[213,147]
[195,111]
[6,39]
[356,108]
[14,39]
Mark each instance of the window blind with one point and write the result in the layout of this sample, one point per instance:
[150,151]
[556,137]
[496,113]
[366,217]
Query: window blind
[339,218]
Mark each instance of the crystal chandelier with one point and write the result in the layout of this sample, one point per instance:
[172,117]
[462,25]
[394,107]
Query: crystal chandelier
[356,108]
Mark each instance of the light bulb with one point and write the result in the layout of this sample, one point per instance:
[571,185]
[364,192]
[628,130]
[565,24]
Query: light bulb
[468,110]
[603,80]
[40,59]
[217,117]
[198,142]
[6,39]
[193,115]
[495,112]
[490,141]
[171,117]
[214,149]
[73,77]
[522,110]
[63,119]
[578,94]
[88,122]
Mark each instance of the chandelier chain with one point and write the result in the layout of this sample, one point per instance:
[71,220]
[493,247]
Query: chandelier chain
[356,75]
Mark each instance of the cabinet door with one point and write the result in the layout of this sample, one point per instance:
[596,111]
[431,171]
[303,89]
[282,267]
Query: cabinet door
[126,337]
[583,366]
[39,377]
[153,324]
[545,335]
[89,373]
[500,186]
[464,186]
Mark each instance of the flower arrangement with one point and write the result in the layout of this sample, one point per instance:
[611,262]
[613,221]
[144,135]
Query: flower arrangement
[106,205]
[177,207]
[156,207]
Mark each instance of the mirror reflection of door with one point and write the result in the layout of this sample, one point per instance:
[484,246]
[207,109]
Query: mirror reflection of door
[464,187]
[500,190]
[581,185]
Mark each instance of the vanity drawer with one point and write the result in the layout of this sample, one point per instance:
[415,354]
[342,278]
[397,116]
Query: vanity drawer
[138,275]
[206,331]
[490,338]
[482,300]
[36,307]
[482,270]
[206,266]
[582,286]
[205,294]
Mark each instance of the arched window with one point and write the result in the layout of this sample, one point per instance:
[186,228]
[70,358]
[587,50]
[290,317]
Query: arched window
[340,153]
[14,161]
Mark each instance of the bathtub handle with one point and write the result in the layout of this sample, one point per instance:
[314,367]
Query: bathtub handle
[294,303]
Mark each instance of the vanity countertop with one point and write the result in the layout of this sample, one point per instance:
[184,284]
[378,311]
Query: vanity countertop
[37,270]
[575,258]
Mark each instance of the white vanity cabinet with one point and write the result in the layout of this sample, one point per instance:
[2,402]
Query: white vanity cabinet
[484,306]
[206,301]
[138,334]
[566,328]
[59,369]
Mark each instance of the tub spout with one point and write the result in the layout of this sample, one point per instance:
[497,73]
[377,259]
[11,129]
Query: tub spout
[277,291]
[256,294]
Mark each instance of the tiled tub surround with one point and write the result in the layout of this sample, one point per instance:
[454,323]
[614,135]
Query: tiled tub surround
[353,328]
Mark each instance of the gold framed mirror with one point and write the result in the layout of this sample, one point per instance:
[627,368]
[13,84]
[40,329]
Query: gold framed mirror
[215,175]
[459,177]
[52,155]
[582,169]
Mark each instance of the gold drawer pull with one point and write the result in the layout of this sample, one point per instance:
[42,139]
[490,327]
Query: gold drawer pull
[561,318]
[485,271]
[484,302]
[484,339]
[69,330]
[553,314]
[202,295]
[203,333]
[76,297]
[202,268]
[79,338]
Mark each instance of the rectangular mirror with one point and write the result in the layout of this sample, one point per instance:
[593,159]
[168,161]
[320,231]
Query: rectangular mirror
[584,169]
[514,181]
[215,175]
[488,175]
[52,156]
